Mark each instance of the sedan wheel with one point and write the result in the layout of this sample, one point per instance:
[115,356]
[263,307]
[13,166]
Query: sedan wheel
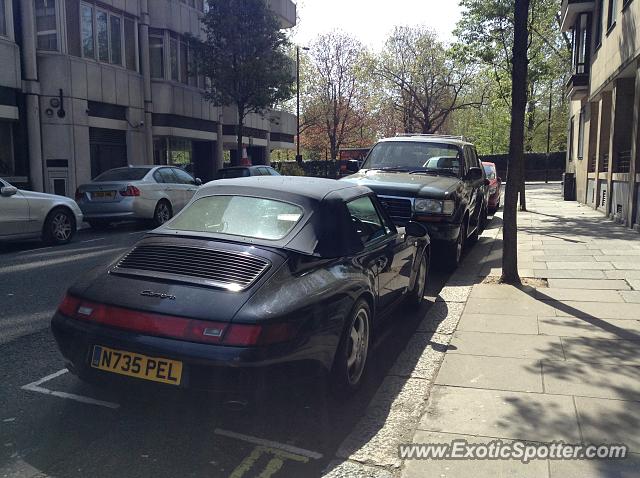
[416,296]
[352,354]
[59,227]
[162,213]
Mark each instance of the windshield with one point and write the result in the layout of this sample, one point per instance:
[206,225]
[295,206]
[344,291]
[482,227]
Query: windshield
[415,156]
[239,216]
[233,173]
[123,174]
[490,171]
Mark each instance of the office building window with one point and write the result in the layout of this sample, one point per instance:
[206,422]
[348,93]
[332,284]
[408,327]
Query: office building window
[156,55]
[7,165]
[130,44]
[47,35]
[102,30]
[3,19]
[86,20]
[599,20]
[184,63]
[116,39]
[612,13]
[173,55]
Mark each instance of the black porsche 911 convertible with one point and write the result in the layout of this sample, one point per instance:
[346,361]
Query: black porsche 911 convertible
[255,275]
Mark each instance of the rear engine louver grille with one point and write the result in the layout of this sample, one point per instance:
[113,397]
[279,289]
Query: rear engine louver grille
[217,268]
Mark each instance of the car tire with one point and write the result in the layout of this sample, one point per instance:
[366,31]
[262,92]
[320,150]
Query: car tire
[59,226]
[415,297]
[99,225]
[453,252]
[162,213]
[484,218]
[351,357]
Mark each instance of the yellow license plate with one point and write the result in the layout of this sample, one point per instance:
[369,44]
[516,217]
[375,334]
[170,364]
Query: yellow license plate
[137,365]
[103,194]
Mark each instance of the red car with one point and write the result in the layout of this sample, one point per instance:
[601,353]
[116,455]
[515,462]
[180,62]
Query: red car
[495,186]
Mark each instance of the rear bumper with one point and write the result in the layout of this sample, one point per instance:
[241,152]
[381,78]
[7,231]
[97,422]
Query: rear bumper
[126,208]
[205,367]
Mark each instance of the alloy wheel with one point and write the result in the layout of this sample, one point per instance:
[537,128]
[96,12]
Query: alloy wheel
[61,227]
[163,213]
[421,284]
[358,346]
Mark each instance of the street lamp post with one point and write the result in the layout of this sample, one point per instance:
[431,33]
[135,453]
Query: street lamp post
[298,155]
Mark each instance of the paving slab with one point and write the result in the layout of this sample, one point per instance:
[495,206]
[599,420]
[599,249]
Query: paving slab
[469,468]
[615,259]
[603,266]
[587,295]
[634,283]
[592,328]
[609,421]
[506,345]
[502,291]
[349,469]
[502,324]
[510,306]
[497,373]
[627,252]
[570,274]
[605,351]
[562,258]
[625,265]
[567,252]
[595,284]
[491,413]
[601,310]
[628,467]
[618,382]
[631,296]
[626,274]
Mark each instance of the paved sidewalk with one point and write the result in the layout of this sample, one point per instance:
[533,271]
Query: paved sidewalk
[556,360]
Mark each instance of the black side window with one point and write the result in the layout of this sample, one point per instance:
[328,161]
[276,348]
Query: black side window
[469,161]
[366,220]
[167,176]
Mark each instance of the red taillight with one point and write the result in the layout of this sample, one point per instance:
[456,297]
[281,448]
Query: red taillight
[243,335]
[248,335]
[79,195]
[130,191]
[69,306]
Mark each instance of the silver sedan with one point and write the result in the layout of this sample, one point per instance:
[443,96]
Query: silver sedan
[153,193]
[32,215]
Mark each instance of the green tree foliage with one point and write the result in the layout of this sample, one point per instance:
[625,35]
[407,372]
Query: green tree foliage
[486,31]
[244,53]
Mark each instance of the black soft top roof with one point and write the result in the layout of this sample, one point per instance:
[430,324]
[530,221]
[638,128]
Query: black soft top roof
[325,230]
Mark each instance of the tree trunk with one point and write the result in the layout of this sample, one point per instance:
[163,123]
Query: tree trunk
[516,143]
[240,133]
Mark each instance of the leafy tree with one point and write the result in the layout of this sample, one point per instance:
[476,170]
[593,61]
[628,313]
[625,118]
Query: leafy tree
[424,80]
[335,92]
[516,141]
[244,55]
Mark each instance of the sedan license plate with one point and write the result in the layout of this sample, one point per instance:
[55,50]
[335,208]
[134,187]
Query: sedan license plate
[103,195]
[137,365]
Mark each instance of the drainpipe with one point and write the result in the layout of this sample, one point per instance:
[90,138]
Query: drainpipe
[31,89]
[146,73]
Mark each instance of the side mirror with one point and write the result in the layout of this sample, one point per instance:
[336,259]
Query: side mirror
[415,229]
[474,174]
[7,191]
[198,182]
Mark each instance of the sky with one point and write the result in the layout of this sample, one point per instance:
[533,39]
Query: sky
[371,20]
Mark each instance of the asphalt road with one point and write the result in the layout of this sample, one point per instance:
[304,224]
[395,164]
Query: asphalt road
[51,424]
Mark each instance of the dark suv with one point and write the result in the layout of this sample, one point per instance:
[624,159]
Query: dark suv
[433,179]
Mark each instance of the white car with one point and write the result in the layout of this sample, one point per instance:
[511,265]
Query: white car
[153,193]
[32,215]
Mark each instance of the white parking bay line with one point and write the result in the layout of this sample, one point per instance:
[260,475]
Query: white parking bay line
[36,387]
[269,443]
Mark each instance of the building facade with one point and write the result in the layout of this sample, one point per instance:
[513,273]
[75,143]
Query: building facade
[604,93]
[89,85]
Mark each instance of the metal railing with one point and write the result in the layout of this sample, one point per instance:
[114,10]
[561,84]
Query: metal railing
[605,163]
[592,164]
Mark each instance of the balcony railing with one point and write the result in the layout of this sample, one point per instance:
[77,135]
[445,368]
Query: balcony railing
[623,163]
[605,163]
[592,163]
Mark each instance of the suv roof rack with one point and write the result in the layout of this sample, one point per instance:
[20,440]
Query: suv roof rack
[432,135]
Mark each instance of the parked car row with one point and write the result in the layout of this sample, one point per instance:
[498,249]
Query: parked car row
[264,276]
